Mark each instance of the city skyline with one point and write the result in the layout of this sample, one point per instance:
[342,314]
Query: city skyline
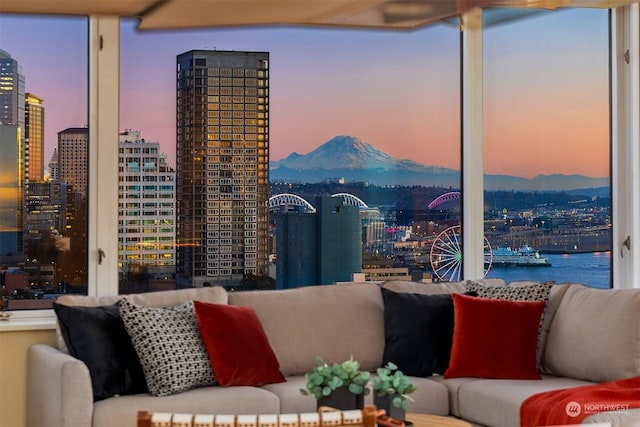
[377,88]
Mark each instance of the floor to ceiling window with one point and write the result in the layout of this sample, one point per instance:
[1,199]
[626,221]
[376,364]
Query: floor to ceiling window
[43,166]
[209,134]
[547,147]
[282,117]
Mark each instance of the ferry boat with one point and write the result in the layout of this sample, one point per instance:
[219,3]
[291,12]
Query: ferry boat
[526,256]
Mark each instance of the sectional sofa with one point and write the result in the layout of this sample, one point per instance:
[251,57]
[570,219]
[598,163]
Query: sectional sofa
[586,336]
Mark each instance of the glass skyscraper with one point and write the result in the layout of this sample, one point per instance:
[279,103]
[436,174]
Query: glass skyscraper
[222,166]
[12,91]
[34,138]
[12,147]
[318,248]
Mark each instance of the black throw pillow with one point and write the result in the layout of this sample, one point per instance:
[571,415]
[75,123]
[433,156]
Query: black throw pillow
[97,336]
[418,332]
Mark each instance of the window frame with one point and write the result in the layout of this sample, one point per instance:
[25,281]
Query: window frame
[104,60]
[104,123]
[625,125]
[625,144]
[625,154]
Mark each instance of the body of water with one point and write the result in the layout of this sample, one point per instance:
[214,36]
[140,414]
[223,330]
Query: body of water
[592,269]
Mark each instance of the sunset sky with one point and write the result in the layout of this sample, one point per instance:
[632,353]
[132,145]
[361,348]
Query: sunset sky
[546,87]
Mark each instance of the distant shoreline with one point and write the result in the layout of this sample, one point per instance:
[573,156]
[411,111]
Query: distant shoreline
[570,252]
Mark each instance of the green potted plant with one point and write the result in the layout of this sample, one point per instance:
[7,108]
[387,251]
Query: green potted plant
[391,390]
[338,385]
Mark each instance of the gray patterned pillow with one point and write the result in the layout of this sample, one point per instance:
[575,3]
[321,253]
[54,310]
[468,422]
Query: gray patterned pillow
[534,292]
[169,345]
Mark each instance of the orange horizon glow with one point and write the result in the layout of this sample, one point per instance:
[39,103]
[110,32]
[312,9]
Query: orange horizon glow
[545,88]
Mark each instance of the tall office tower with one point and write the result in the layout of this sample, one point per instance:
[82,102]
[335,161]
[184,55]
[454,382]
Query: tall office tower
[296,250]
[72,158]
[34,138]
[222,156]
[11,91]
[146,207]
[318,248]
[72,170]
[53,166]
[12,158]
[374,236]
[72,247]
[11,191]
[45,219]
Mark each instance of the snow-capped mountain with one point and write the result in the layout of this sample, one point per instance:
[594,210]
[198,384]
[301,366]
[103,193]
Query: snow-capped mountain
[351,158]
[346,152]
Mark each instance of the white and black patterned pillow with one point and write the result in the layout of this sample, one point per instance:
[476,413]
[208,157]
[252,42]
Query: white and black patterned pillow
[534,292]
[169,345]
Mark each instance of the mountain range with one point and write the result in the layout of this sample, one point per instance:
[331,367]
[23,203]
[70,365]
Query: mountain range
[350,158]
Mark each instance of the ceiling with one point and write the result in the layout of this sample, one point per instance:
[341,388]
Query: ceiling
[395,14]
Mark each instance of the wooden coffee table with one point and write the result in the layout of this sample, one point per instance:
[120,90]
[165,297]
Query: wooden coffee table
[424,420]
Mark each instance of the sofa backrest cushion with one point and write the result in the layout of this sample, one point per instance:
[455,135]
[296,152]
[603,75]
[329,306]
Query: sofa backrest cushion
[519,291]
[334,322]
[238,348]
[494,338]
[555,297]
[595,335]
[98,337]
[169,345]
[418,332]
[214,294]
[424,288]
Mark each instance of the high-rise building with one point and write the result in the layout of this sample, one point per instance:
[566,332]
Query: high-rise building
[34,138]
[53,165]
[146,207]
[12,147]
[11,191]
[72,247]
[12,92]
[222,165]
[72,158]
[374,233]
[45,219]
[318,248]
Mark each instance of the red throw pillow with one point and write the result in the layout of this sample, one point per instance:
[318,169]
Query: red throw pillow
[239,351]
[494,338]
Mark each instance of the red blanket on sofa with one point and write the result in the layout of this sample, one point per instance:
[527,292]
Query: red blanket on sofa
[572,405]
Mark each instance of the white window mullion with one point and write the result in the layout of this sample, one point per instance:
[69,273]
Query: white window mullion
[104,104]
[472,145]
[625,154]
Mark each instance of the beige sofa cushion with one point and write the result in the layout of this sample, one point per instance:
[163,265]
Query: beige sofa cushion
[497,403]
[122,411]
[430,396]
[331,321]
[424,288]
[628,418]
[595,335]
[555,296]
[435,288]
[216,294]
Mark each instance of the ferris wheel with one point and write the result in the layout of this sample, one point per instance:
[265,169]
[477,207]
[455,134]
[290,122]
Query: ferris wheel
[446,255]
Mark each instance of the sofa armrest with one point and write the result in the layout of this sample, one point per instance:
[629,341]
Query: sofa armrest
[59,389]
